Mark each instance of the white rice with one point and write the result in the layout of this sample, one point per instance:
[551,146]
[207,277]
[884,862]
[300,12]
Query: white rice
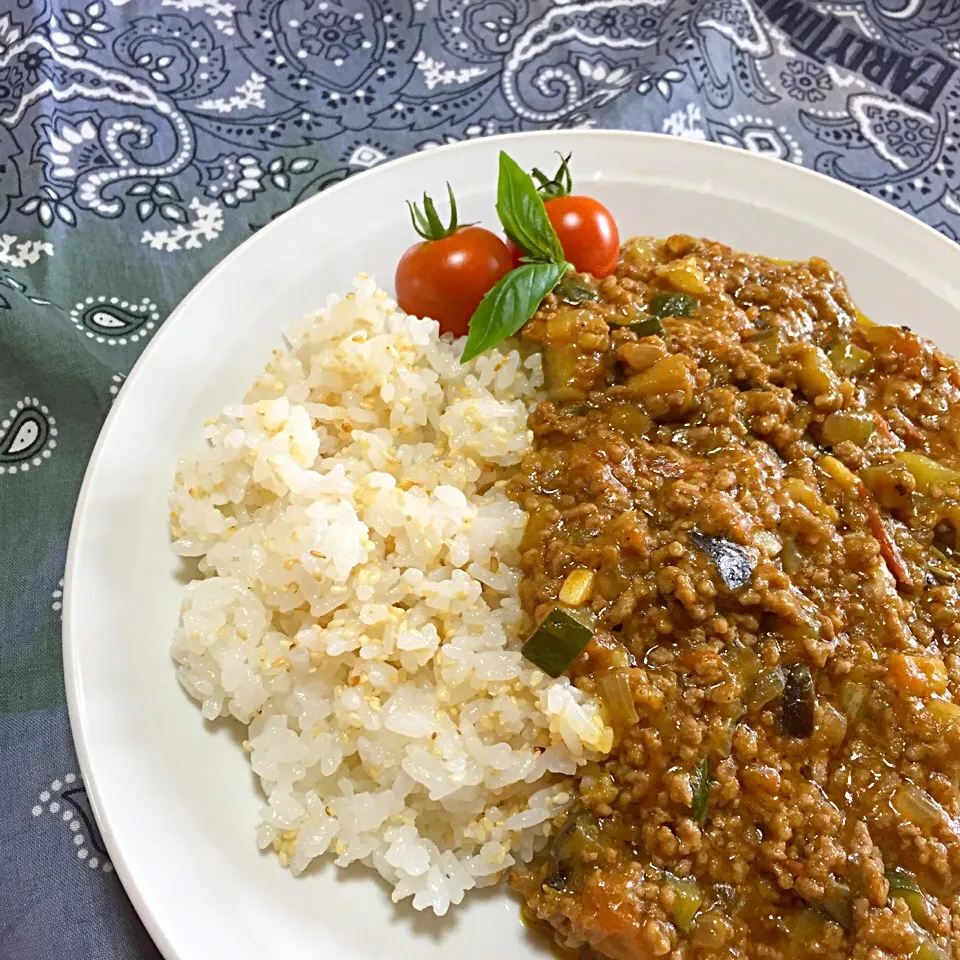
[359,607]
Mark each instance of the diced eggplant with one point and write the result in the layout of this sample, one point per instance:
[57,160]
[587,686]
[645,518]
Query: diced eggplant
[798,703]
[732,561]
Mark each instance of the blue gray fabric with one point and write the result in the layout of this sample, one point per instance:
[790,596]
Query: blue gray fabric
[141,140]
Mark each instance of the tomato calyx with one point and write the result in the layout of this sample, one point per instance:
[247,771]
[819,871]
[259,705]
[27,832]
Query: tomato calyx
[559,185]
[427,221]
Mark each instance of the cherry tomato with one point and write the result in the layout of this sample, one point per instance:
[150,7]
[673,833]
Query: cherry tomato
[446,276]
[587,232]
[446,279]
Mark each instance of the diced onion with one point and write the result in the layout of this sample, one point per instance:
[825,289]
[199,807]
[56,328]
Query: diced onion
[615,691]
[918,806]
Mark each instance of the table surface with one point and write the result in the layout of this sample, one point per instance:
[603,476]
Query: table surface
[142,140]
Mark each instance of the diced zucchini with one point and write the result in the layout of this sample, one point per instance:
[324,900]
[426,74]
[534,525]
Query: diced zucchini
[573,290]
[646,327]
[848,359]
[838,903]
[903,884]
[929,950]
[642,323]
[856,426]
[673,305]
[557,641]
[687,899]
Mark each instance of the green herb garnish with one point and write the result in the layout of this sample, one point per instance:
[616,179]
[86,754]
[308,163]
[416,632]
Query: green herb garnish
[558,640]
[673,305]
[523,215]
[701,791]
[509,305]
[517,295]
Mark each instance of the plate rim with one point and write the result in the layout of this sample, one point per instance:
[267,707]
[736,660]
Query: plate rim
[71,644]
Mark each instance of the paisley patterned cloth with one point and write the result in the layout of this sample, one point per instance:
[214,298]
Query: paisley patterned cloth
[141,140]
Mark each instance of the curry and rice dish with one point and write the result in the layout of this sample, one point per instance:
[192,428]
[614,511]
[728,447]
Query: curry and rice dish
[650,608]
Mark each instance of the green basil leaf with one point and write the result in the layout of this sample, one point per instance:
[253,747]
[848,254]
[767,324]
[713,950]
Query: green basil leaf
[510,304]
[523,214]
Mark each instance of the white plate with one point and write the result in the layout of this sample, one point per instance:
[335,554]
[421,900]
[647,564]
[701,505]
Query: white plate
[175,797]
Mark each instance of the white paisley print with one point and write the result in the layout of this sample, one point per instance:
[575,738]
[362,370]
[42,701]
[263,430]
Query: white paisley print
[141,140]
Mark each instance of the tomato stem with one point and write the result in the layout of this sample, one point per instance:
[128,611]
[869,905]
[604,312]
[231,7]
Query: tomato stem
[427,222]
[559,185]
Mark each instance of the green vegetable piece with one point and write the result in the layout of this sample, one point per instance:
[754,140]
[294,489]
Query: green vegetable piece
[687,899]
[904,885]
[901,880]
[673,305]
[838,903]
[928,950]
[573,291]
[646,327]
[642,324]
[701,791]
[509,305]
[558,640]
[523,215]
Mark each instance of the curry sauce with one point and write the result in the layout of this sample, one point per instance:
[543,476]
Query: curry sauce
[753,499]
